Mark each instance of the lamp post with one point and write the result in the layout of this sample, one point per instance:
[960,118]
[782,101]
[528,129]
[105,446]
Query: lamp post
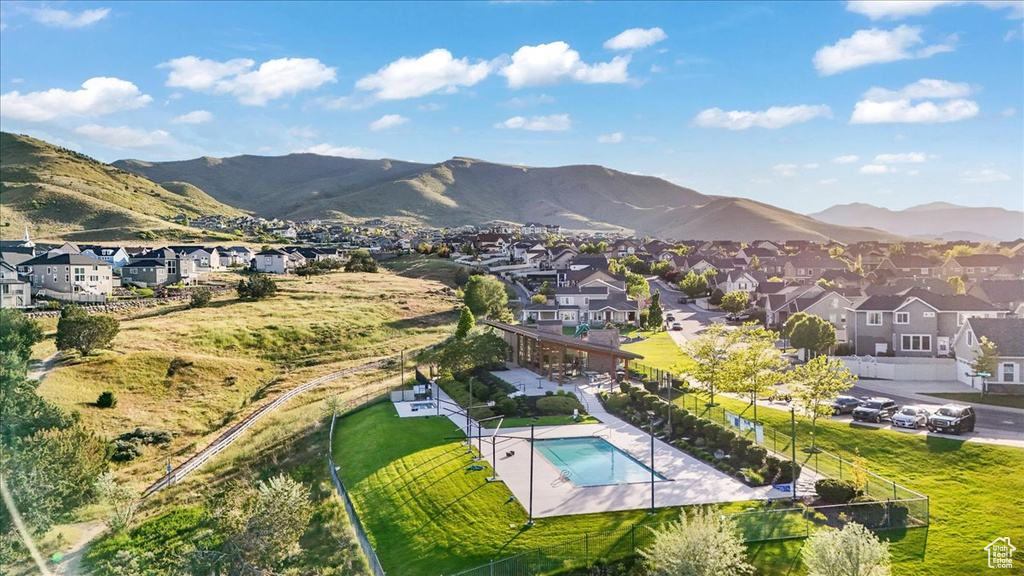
[792,443]
[652,460]
[533,423]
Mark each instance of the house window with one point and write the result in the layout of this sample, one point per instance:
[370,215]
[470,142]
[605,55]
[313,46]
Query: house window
[843,319]
[924,271]
[970,338]
[929,314]
[832,318]
[917,343]
[835,302]
[79,274]
[902,318]
[874,318]
[1008,371]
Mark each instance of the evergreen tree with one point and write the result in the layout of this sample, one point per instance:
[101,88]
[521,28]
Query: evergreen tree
[655,314]
[466,323]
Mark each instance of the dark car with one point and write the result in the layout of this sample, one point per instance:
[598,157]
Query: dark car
[952,418]
[684,300]
[845,404]
[875,410]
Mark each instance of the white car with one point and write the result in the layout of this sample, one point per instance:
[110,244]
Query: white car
[677,326]
[910,417]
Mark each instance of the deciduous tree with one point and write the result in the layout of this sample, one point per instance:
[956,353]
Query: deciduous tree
[704,544]
[735,302]
[816,384]
[810,332]
[852,551]
[694,285]
[78,330]
[18,332]
[713,365]
[758,365]
[485,296]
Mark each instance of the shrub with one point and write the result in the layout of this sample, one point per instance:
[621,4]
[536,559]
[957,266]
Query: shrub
[650,400]
[200,298]
[257,287]
[651,386]
[625,387]
[558,405]
[125,451]
[107,399]
[788,472]
[898,514]
[755,456]
[616,403]
[835,491]
[867,511]
[753,477]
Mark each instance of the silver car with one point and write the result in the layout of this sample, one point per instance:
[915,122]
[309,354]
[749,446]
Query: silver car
[910,417]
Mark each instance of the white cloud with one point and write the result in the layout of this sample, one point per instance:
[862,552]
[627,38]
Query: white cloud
[876,169]
[811,166]
[553,123]
[875,46]
[785,170]
[304,132]
[272,80]
[902,111]
[613,138]
[388,121]
[897,9]
[343,151]
[124,136]
[635,39]
[430,107]
[548,64]
[194,117]
[902,158]
[847,159]
[827,181]
[434,72]
[985,176]
[98,96]
[772,118]
[922,89]
[1009,113]
[524,101]
[64,19]
[897,106]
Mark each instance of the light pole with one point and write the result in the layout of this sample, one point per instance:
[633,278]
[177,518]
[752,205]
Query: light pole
[652,460]
[792,442]
[533,422]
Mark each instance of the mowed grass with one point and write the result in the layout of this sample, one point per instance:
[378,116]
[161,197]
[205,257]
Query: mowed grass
[659,351]
[976,490]
[427,513]
[193,372]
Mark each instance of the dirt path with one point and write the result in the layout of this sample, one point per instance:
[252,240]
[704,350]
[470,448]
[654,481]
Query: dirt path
[41,369]
[71,564]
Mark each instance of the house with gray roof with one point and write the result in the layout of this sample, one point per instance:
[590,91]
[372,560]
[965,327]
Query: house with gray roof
[15,291]
[1008,336]
[69,277]
[1004,294]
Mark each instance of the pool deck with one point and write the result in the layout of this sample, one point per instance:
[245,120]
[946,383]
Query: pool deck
[691,481]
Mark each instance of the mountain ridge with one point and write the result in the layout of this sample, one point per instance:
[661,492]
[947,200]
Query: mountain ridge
[934,220]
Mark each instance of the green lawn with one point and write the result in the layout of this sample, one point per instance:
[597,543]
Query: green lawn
[972,487]
[976,398]
[659,351]
[557,420]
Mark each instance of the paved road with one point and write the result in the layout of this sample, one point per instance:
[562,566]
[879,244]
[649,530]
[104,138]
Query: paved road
[988,417]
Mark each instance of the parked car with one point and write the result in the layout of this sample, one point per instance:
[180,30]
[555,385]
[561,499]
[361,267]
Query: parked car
[741,317]
[952,418]
[670,318]
[910,417]
[684,300]
[845,404]
[875,410]
[677,326]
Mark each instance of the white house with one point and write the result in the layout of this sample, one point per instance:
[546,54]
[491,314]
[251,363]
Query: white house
[272,262]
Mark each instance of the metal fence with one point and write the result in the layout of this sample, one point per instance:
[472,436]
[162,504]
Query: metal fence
[760,525]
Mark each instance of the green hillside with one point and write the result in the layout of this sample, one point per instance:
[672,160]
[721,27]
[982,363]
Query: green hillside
[59,193]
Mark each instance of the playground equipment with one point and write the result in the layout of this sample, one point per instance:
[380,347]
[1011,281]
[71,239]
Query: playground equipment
[581,330]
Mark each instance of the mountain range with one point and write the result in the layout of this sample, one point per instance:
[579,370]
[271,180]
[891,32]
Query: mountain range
[934,221]
[469,191]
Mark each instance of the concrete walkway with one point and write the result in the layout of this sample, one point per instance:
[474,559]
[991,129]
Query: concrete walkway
[687,481]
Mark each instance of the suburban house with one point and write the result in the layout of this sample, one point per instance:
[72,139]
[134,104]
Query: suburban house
[805,268]
[736,281]
[975,266]
[916,324]
[595,303]
[492,244]
[178,270]
[235,256]
[907,265]
[276,261]
[1003,294]
[206,259]
[69,277]
[116,256]
[827,304]
[1008,336]
[14,291]
[145,273]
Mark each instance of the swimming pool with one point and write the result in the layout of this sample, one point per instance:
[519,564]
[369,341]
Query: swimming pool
[422,406]
[593,461]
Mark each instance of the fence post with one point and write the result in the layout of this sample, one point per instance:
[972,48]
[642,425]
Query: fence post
[840,468]
[632,538]
[586,549]
[894,497]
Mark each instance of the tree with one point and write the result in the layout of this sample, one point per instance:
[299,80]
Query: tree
[458,358]
[466,323]
[704,544]
[361,261]
[959,250]
[538,299]
[257,287]
[712,365]
[755,263]
[897,249]
[77,330]
[655,315]
[637,286]
[758,365]
[816,384]
[857,265]
[824,283]
[122,499]
[852,551]
[200,298]
[259,527]
[18,332]
[735,302]
[694,285]
[810,332]
[106,399]
[985,358]
[716,297]
[957,284]
[485,296]
[24,411]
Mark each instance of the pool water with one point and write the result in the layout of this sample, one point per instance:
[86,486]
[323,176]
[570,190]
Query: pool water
[593,462]
[422,406]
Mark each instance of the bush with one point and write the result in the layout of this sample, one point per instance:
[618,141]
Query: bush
[867,511]
[716,297]
[834,491]
[78,330]
[755,456]
[616,403]
[257,287]
[788,472]
[200,298]
[898,514]
[558,405]
[125,451]
[753,477]
[107,399]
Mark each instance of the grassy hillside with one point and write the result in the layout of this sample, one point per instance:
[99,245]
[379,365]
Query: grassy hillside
[467,191]
[60,193]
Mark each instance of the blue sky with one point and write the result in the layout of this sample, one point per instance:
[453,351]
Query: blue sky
[802,105]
